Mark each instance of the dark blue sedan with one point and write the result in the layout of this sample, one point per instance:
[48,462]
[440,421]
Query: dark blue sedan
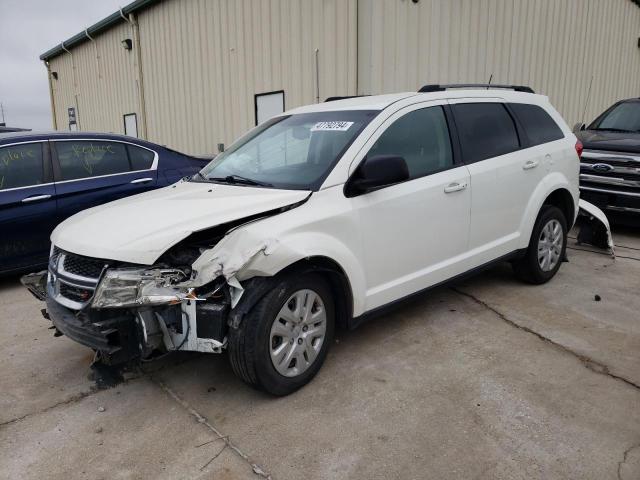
[47,177]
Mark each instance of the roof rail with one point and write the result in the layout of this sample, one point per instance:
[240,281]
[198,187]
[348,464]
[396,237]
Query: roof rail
[333,99]
[442,88]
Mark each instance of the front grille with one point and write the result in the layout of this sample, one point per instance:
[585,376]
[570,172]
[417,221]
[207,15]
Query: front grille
[74,293]
[73,278]
[83,266]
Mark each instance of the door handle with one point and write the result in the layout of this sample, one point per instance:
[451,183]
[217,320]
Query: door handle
[142,180]
[455,187]
[529,164]
[35,198]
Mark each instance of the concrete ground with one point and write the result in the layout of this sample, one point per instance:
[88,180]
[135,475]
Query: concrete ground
[487,379]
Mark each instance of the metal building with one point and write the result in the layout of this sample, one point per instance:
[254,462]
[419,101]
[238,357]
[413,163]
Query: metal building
[195,73]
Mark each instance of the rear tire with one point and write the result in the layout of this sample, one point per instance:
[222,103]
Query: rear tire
[546,248]
[283,341]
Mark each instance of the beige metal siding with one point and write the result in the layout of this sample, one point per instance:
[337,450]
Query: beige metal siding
[103,87]
[204,60]
[554,46]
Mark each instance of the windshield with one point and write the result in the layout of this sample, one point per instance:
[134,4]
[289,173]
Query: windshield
[624,117]
[291,152]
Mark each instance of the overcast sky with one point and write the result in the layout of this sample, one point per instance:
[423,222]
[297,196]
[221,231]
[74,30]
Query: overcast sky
[28,28]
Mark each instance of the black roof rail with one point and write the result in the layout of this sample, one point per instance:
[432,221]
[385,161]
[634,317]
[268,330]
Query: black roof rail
[333,99]
[442,88]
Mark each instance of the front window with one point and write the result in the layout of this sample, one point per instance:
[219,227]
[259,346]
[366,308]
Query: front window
[624,117]
[291,152]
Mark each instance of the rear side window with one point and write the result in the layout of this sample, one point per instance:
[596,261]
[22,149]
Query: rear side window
[538,124]
[486,130]
[83,159]
[141,158]
[21,165]
[420,137]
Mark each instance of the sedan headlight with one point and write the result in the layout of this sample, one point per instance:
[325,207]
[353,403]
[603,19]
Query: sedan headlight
[133,287]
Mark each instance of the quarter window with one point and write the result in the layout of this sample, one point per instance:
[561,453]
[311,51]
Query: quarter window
[83,159]
[486,130]
[141,158]
[420,137]
[21,166]
[538,125]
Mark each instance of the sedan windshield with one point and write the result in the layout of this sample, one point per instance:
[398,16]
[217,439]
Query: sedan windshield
[624,117]
[291,152]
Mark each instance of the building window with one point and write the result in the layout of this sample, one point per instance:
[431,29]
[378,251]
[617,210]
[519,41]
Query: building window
[131,125]
[268,105]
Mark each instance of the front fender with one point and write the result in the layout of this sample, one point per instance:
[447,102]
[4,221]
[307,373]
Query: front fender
[552,182]
[243,255]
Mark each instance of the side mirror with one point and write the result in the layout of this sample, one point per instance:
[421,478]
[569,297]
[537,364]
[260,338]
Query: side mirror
[578,127]
[377,172]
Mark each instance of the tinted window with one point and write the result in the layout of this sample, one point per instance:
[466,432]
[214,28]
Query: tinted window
[421,137]
[82,159]
[141,158]
[486,130]
[21,165]
[537,123]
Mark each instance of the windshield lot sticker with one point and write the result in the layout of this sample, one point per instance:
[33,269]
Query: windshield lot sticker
[331,126]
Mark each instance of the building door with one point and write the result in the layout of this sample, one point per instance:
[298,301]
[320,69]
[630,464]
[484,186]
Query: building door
[268,105]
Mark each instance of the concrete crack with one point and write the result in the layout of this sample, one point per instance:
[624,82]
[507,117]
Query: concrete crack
[203,420]
[72,399]
[589,363]
[624,459]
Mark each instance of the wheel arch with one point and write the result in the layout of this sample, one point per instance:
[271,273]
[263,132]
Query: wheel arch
[553,190]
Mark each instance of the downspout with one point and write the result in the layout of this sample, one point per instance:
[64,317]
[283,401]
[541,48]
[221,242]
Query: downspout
[75,85]
[95,48]
[132,20]
[53,102]
[317,61]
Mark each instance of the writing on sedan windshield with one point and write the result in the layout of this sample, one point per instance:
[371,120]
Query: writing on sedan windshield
[10,155]
[91,149]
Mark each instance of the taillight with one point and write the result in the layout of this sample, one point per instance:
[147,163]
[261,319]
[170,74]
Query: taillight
[579,148]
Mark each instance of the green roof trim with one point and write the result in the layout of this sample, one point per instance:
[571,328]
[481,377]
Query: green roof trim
[102,25]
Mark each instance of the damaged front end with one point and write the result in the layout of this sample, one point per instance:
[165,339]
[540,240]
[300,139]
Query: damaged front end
[127,312]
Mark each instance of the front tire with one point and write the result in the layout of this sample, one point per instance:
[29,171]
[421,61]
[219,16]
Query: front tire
[283,341]
[546,248]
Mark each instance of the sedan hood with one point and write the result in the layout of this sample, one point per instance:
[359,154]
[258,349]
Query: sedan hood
[613,141]
[140,228]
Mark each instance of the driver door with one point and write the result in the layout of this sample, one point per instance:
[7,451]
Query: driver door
[415,233]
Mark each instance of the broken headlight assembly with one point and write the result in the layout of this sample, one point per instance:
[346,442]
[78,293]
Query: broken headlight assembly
[136,287]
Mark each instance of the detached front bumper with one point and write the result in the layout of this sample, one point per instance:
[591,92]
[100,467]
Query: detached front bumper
[115,334]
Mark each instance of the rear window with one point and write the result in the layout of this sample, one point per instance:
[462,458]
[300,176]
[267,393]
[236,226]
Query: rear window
[538,124]
[21,165]
[141,158]
[486,130]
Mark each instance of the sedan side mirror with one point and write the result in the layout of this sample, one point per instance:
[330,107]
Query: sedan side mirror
[377,172]
[578,127]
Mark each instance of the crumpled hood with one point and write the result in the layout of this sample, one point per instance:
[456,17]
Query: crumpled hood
[614,141]
[140,228]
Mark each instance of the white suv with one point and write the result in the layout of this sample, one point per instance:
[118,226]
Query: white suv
[319,217]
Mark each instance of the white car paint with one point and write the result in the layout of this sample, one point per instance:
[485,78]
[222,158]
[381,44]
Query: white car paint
[390,243]
[140,228]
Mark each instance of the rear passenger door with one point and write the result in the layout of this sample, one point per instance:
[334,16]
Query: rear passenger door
[27,204]
[503,176]
[92,172]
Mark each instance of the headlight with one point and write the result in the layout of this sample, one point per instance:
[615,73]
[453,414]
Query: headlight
[133,287]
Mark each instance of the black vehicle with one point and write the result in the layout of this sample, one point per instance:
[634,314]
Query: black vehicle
[610,165]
